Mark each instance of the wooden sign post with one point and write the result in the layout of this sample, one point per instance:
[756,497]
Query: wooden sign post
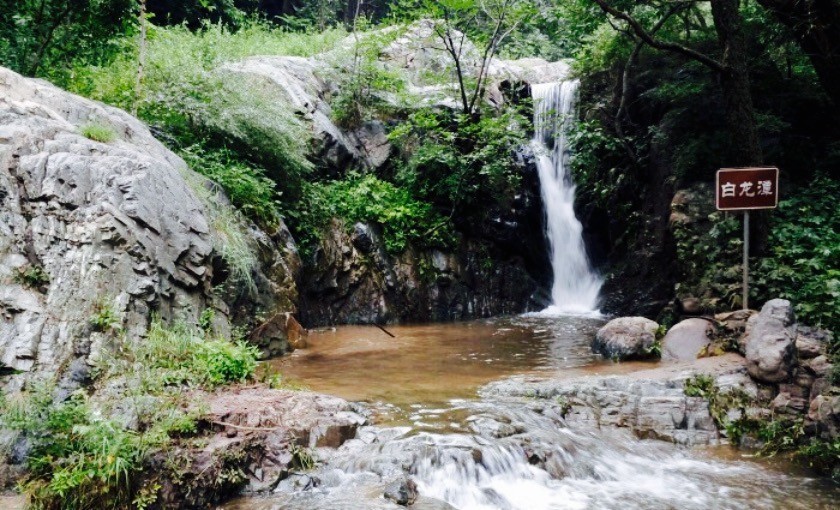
[746,189]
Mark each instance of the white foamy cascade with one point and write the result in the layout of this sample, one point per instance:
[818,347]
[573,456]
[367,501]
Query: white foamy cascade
[576,286]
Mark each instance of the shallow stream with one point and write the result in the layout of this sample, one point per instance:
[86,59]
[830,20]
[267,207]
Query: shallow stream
[470,452]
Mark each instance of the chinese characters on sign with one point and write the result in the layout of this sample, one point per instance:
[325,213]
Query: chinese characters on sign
[747,188]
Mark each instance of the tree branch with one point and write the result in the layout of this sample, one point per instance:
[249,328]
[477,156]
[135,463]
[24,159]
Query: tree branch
[659,44]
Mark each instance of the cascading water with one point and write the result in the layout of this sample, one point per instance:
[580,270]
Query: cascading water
[575,287]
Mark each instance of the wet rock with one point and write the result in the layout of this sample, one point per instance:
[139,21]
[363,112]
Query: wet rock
[312,419]
[353,279]
[770,351]
[492,428]
[686,339]
[402,492]
[626,338]
[651,404]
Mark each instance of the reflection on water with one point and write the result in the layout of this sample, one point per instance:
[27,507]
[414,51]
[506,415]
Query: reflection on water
[479,454]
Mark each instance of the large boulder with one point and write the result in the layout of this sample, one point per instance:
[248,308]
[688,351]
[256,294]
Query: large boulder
[686,339]
[89,228]
[769,341]
[626,338]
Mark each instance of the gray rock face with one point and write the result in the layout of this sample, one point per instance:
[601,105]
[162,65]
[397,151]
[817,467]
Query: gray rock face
[685,339]
[769,342]
[302,83]
[105,225]
[651,404]
[626,338]
[352,279]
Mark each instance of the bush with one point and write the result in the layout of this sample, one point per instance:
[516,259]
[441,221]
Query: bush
[403,218]
[32,276]
[804,265]
[457,162]
[77,459]
[184,354]
[187,97]
[247,187]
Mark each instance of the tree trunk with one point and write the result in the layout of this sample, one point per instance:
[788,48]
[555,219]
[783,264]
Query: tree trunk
[740,114]
[141,59]
[816,25]
[735,82]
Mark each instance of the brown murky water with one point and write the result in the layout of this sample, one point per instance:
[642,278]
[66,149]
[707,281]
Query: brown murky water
[422,387]
[424,368]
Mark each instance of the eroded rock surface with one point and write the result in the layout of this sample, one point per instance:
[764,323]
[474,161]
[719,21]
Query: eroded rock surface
[255,435]
[650,403]
[770,350]
[95,226]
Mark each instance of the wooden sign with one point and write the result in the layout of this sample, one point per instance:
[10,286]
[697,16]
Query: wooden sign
[743,189]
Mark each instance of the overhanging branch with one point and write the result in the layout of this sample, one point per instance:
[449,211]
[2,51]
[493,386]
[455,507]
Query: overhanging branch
[659,44]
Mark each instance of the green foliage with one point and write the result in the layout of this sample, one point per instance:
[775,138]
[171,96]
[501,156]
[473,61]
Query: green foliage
[105,318]
[78,460]
[709,255]
[181,354]
[49,38]
[366,90]
[302,457]
[365,198]
[98,132]
[247,187]
[229,235]
[459,162]
[804,265]
[594,150]
[188,96]
[723,405]
[32,276]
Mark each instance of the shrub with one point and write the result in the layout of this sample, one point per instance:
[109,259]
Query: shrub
[367,198]
[804,261]
[229,235]
[188,98]
[458,162]
[77,459]
[184,354]
[98,132]
[247,187]
[105,318]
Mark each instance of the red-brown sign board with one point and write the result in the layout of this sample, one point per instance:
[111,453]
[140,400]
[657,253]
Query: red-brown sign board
[739,189]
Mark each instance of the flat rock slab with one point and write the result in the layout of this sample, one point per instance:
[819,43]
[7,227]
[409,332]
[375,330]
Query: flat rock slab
[651,403]
[313,419]
[685,339]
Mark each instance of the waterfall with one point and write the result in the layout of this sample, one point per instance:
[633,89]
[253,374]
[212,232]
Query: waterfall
[575,287]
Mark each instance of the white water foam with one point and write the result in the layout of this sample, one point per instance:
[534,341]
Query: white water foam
[576,286]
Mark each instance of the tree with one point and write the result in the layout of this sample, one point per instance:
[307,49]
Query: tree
[490,21]
[816,26]
[731,67]
[46,37]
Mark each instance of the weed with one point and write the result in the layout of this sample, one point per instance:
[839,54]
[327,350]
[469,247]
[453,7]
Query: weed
[105,319]
[32,276]
[98,132]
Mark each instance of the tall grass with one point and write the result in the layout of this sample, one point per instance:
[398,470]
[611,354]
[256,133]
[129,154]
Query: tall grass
[189,100]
